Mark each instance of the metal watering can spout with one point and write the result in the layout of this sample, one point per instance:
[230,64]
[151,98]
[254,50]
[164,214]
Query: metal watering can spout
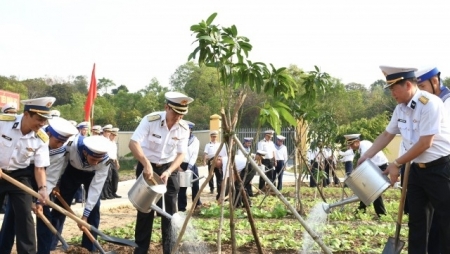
[197,179]
[194,174]
[186,178]
[366,181]
[161,211]
[327,207]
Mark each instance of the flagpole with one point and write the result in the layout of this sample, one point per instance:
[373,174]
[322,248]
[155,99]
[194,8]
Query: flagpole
[92,114]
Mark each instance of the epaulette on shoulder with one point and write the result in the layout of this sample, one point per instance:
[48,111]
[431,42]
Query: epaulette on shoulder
[6,117]
[42,135]
[154,117]
[183,124]
[69,143]
[424,100]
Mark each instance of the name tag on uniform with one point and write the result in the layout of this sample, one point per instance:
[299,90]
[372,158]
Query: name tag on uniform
[402,121]
[155,135]
[6,137]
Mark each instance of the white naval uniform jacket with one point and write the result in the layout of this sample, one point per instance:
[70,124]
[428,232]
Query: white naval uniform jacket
[56,168]
[211,149]
[18,150]
[268,147]
[422,116]
[159,144]
[239,160]
[348,155]
[281,153]
[192,152]
[101,172]
[378,159]
[57,165]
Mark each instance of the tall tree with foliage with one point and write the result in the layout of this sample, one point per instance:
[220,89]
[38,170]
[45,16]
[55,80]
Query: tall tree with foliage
[226,51]
[181,76]
[104,84]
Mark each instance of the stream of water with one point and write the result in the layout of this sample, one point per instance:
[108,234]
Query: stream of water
[191,242]
[317,219]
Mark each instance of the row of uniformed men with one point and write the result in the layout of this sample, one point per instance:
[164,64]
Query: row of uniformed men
[33,153]
[162,119]
[275,158]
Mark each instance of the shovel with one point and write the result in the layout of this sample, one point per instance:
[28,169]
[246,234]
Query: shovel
[394,245]
[41,216]
[84,229]
[111,239]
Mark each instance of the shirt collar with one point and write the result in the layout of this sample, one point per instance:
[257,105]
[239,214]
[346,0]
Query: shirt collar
[18,123]
[414,100]
[444,91]
[164,122]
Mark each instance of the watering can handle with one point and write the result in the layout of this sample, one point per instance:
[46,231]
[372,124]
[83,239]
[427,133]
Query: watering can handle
[153,181]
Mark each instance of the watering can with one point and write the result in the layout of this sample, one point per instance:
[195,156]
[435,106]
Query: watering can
[366,181]
[185,178]
[144,194]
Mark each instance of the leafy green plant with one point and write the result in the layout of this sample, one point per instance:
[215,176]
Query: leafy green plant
[345,231]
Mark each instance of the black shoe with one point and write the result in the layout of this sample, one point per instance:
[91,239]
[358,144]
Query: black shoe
[211,191]
[116,196]
[110,197]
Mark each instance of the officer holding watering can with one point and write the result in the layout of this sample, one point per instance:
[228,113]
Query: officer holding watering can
[423,122]
[160,143]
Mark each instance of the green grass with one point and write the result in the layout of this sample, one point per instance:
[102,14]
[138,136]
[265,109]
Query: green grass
[278,230]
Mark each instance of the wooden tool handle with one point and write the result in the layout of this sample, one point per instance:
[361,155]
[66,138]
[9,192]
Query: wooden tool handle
[48,202]
[67,207]
[401,205]
[46,222]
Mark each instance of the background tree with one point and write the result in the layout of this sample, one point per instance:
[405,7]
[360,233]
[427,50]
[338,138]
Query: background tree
[13,85]
[63,93]
[181,76]
[80,84]
[369,128]
[377,84]
[446,81]
[156,89]
[378,102]
[120,88]
[104,112]
[75,110]
[36,87]
[104,84]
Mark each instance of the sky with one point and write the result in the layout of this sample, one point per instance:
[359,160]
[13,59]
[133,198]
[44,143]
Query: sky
[133,41]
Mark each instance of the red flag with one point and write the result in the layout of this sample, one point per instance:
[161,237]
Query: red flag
[92,94]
